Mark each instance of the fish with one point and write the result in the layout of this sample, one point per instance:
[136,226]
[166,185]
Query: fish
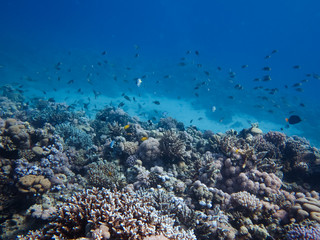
[196,52]
[138,82]
[121,105]
[267,57]
[244,66]
[207,73]
[167,76]
[112,144]
[238,86]
[182,64]
[136,55]
[257,80]
[213,109]
[143,139]
[266,68]
[200,118]
[104,53]
[302,105]
[58,66]
[297,84]
[156,102]
[296,67]
[127,98]
[126,126]
[96,94]
[266,78]
[274,51]
[219,68]
[70,82]
[293,119]
[299,89]
[231,97]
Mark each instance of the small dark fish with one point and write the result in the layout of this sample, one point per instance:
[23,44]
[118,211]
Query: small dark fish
[79,90]
[150,123]
[266,78]
[286,86]
[191,120]
[304,80]
[274,51]
[297,84]
[219,68]
[232,74]
[266,68]
[207,73]
[244,66]
[231,97]
[308,74]
[199,65]
[188,52]
[302,105]
[104,53]
[136,55]
[167,76]
[299,89]
[196,52]
[238,86]
[182,64]
[257,80]
[156,102]
[99,63]
[70,82]
[267,57]
[96,94]
[59,78]
[316,76]
[121,105]
[293,119]
[58,66]
[196,94]
[51,100]
[127,98]
[44,92]
[196,88]
[296,67]
[200,118]
[85,105]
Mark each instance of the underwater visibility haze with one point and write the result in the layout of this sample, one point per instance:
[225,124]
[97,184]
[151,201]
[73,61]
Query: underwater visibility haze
[159,119]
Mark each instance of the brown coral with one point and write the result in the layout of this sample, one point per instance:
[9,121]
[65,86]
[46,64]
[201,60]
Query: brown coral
[33,184]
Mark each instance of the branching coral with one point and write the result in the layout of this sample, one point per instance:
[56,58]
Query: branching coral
[122,215]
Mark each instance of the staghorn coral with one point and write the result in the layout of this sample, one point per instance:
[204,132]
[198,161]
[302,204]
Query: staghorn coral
[301,232]
[122,215]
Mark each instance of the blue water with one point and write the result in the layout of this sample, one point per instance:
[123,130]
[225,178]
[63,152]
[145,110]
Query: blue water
[149,38]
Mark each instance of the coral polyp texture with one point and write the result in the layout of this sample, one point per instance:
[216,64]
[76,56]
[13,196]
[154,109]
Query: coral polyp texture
[64,175]
[104,214]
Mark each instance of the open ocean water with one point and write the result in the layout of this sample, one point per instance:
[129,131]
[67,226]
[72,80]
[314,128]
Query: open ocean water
[212,65]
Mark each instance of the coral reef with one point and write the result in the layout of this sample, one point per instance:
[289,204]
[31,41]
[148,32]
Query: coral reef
[119,215]
[246,185]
